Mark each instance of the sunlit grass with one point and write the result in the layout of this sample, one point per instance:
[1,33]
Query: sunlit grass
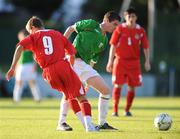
[29,120]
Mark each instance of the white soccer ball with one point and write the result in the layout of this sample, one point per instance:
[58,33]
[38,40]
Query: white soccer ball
[163,122]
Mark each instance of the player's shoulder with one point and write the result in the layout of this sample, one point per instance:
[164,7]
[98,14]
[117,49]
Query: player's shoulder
[139,27]
[122,26]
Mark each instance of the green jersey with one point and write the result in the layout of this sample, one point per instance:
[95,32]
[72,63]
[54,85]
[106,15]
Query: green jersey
[26,57]
[89,41]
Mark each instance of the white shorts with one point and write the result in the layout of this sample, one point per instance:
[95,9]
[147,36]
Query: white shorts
[83,70]
[25,72]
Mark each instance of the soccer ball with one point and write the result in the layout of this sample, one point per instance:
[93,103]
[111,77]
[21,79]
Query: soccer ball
[163,122]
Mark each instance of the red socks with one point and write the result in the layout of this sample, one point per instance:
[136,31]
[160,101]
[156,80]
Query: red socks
[129,100]
[86,108]
[116,96]
[74,105]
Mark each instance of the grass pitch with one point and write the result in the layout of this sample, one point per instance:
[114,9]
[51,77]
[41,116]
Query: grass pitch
[29,120]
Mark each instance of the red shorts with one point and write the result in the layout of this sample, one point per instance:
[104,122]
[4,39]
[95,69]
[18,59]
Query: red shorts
[126,71]
[61,77]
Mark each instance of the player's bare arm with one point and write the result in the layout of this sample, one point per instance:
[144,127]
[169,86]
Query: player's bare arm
[16,57]
[111,58]
[147,64]
[69,31]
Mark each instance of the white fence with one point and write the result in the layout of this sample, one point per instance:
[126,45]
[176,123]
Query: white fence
[147,89]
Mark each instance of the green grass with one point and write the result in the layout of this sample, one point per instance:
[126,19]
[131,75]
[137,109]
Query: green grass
[29,120]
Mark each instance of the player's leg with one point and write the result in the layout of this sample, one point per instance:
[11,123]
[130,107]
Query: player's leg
[129,100]
[73,88]
[35,90]
[83,113]
[77,110]
[86,110]
[19,83]
[64,106]
[98,83]
[17,92]
[116,94]
[134,80]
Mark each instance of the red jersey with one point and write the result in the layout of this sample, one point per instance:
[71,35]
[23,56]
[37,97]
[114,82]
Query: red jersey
[48,46]
[128,41]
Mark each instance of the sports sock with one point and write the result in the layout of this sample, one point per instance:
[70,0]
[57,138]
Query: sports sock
[116,97]
[64,106]
[73,103]
[35,92]
[129,100]
[86,110]
[17,92]
[81,118]
[103,108]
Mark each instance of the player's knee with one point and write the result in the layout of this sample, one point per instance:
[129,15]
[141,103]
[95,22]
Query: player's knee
[131,88]
[106,90]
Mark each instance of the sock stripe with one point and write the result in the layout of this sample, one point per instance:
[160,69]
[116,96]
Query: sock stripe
[105,98]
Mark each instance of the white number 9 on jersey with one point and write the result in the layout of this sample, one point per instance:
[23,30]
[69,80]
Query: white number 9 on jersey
[47,43]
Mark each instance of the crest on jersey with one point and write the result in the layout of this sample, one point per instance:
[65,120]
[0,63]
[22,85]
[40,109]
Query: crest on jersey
[137,36]
[100,45]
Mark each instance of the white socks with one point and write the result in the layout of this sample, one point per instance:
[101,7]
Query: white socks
[35,92]
[17,92]
[64,106]
[88,124]
[103,105]
[81,118]
[18,89]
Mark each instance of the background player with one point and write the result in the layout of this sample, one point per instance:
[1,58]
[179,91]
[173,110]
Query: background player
[48,47]
[25,72]
[90,41]
[125,46]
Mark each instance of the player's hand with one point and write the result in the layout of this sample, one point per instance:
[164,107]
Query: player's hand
[10,74]
[147,66]
[109,67]
[92,63]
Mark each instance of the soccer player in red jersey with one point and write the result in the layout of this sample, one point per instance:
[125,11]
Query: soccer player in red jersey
[124,59]
[48,47]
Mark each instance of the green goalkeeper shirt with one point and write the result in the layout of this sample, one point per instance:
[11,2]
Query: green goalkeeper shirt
[89,41]
[26,57]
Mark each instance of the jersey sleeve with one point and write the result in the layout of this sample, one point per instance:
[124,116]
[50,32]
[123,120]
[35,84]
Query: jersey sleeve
[68,46]
[115,36]
[85,25]
[144,40]
[26,43]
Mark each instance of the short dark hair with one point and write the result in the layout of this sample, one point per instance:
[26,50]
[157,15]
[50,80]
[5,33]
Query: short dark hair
[131,11]
[111,16]
[34,21]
